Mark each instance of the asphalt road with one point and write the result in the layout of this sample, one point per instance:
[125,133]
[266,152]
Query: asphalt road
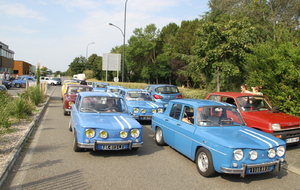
[48,162]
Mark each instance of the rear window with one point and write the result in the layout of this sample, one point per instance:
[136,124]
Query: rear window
[167,90]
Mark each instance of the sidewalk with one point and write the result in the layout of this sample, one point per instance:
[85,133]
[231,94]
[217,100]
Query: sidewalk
[293,159]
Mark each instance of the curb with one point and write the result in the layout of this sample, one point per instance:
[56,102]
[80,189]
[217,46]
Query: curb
[7,166]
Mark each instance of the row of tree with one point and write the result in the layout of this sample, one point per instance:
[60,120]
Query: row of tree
[253,42]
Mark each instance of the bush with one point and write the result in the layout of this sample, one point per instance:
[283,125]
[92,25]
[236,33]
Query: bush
[4,110]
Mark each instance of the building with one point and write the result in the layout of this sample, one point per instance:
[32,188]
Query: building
[6,59]
[23,68]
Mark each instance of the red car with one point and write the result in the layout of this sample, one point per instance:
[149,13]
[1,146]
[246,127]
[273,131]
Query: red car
[258,113]
[71,95]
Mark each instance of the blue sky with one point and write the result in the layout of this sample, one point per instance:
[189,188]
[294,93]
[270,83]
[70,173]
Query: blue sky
[54,32]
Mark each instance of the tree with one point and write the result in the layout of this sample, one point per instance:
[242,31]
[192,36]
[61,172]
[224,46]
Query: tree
[78,65]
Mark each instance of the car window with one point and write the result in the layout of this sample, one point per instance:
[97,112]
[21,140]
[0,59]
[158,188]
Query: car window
[188,115]
[214,97]
[167,90]
[175,111]
[93,104]
[253,103]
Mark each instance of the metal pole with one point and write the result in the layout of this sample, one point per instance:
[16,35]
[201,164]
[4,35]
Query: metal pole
[123,63]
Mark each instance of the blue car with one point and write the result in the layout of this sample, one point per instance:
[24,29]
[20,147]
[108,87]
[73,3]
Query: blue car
[100,86]
[163,93]
[140,104]
[21,81]
[113,89]
[214,135]
[100,121]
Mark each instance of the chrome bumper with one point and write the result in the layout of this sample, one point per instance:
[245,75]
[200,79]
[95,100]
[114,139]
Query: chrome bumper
[94,145]
[242,171]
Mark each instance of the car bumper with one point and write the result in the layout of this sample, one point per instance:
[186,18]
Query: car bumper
[142,117]
[255,168]
[94,145]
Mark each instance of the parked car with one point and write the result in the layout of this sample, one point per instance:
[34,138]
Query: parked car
[163,93]
[3,88]
[113,89]
[21,81]
[64,88]
[71,95]
[258,113]
[140,104]
[214,135]
[7,84]
[57,79]
[50,81]
[90,83]
[100,121]
[100,86]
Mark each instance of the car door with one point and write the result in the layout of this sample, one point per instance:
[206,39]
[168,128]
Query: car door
[171,122]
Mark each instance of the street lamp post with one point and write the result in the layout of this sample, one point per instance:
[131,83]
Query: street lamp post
[86,58]
[123,34]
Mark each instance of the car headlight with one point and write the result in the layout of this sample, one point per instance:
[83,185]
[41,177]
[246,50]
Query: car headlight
[71,103]
[238,154]
[280,151]
[253,155]
[160,110]
[123,134]
[90,133]
[103,134]
[153,110]
[275,126]
[143,110]
[271,153]
[135,110]
[135,133]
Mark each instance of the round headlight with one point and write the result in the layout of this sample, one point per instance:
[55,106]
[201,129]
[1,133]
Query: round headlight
[135,133]
[103,134]
[123,134]
[90,133]
[276,126]
[71,103]
[253,155]
[160,110]
[238,154]
[271,153]
[280,151]
[135,110]
[143,110]
[153,110]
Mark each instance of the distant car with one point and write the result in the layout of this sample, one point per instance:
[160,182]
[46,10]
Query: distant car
[258,113]
[57,79]
[214,135]
[100,121]
[50,81]
[100,86]
[113,89]
[140,104]
[71,95]
[7,84]
[90,83]
[3,88]
[163,93]
[21,81]
[64,88]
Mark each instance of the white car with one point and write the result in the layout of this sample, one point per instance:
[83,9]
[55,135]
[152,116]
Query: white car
[49,81]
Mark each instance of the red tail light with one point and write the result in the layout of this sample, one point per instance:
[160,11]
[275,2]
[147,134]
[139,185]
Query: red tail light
[157,96]
[179,96]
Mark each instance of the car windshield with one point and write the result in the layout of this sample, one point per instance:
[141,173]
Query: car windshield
[218,116]
[253,103]
[97,104]
[167,90]
[74,90]
[138,96]
[101,85]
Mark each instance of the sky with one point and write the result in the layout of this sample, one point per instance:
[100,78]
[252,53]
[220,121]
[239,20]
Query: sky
[55,32]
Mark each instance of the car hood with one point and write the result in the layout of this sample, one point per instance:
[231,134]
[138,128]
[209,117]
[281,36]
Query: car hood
[143,104]
[272,117]
[109,121]
[241,137]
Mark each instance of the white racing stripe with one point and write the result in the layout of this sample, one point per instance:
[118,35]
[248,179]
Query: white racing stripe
[152,104]
[128,124]
[120,123]
[270,145]
[277,144]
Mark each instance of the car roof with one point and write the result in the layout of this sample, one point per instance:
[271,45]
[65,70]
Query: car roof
[95,93]
[79,85]
[232,94]
[101,83]
[162,85]
[201,102]
[134,89]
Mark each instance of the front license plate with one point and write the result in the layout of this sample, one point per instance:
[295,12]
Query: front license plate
[292,140]
[145,117]
[113,147]
[260,169]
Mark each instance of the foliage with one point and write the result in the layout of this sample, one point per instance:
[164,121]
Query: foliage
[4,110]
[33,94]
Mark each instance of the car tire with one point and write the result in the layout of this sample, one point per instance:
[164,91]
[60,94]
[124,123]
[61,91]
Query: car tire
[18,85]
[204,162]
[66,113]
[75,144]
[159,137]
[70,125]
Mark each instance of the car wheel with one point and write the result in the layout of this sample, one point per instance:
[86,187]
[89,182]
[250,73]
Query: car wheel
[70,126]
[18,85]
[204,163]
[159,137]
[135,149]
[75,144]
[66,113]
